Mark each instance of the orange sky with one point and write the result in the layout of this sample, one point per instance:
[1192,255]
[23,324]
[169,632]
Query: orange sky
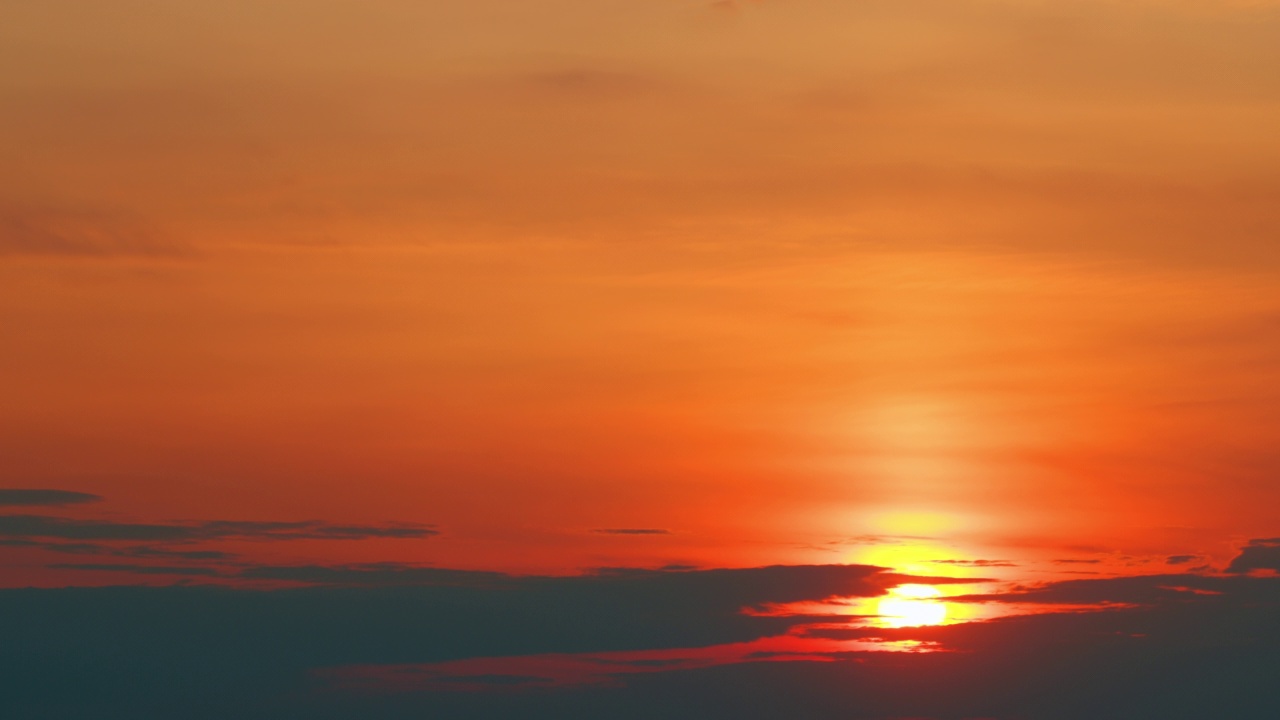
[785,279]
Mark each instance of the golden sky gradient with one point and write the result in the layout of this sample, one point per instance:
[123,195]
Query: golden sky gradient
[787,280]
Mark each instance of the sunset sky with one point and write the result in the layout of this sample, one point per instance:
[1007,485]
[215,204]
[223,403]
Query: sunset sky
[705,318]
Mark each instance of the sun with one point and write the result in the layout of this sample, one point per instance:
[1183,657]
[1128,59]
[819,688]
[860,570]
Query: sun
[911,606]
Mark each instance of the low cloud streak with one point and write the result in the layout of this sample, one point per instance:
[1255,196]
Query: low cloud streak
[44,527]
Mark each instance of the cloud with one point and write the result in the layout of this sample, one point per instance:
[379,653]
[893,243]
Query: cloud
[375,575]
[140,569]
[631,531]
[871,539]
[652,637]
[131,551]
[1181,559]
[1222,647]
[167,543]
[39,526]
[153,552]
[11,497]
[111,650]
[977,563]
[45,231]
[385,574]
[1259,554]
[1148,590]
[314,530]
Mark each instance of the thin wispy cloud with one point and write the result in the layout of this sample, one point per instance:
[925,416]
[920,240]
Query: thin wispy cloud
[79,233]
[18,497]
[42,527]
[977,563]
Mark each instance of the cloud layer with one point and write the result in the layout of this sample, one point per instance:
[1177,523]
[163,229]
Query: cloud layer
[1168,646]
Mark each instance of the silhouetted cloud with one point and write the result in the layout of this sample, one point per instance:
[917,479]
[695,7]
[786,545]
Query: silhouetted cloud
[13,497]
[1181,559]
[374,574]
[314,530]
[1140,590]
[153,552]
[104,649]
[39,526]
[130,551]
[873,539]
[1260,554]
[139,569]
[1184,647]
[977,563]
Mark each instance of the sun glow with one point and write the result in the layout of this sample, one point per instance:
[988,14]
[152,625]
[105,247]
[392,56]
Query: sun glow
[911,606]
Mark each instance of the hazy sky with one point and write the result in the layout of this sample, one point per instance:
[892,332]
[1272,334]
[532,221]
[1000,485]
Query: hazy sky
[777,279]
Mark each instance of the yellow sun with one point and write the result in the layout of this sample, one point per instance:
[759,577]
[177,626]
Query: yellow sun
[911,606]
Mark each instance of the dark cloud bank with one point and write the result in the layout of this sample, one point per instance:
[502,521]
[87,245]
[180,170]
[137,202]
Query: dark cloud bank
[1170,646]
